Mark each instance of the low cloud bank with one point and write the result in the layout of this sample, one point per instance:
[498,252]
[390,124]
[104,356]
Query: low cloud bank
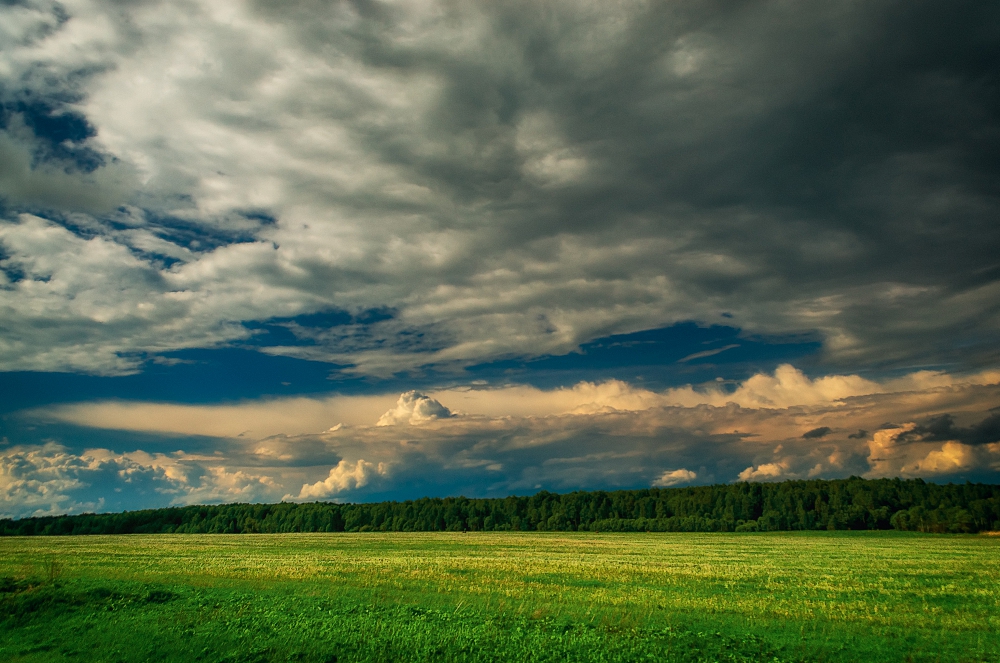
[51,479]
[590,436]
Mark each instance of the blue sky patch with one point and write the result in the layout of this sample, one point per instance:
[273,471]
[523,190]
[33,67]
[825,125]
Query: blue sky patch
[685,353]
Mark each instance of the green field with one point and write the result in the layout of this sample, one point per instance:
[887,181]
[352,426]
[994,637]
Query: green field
[839,596]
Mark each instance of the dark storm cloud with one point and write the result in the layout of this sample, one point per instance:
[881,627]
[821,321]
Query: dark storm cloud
[942,428]
[817,433]
[516,179]
[841,158]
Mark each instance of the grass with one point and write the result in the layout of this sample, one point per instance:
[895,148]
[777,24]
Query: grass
[866,596]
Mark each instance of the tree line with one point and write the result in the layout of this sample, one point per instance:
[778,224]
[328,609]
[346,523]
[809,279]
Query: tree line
[855,504]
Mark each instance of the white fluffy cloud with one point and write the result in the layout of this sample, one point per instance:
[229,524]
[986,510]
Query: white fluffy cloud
[414,408]
[675,478]
[764,472]
[343,477]
[51,479]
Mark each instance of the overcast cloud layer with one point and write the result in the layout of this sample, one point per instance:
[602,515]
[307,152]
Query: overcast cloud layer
[503,178]
[411,188]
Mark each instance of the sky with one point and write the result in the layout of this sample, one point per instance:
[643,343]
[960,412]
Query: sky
[254,251]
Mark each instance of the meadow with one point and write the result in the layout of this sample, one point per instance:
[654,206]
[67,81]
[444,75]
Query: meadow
[478,596]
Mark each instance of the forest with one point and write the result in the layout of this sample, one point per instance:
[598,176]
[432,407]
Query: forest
[843,504]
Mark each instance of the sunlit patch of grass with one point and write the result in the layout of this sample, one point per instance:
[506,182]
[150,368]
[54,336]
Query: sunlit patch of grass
[503,596]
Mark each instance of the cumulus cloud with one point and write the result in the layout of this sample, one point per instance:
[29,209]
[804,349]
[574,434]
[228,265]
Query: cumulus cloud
[414,408]
[675,477]
[764,472]
[933,448]
[52,479]
[342,477]
[226,161]
[942,428]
